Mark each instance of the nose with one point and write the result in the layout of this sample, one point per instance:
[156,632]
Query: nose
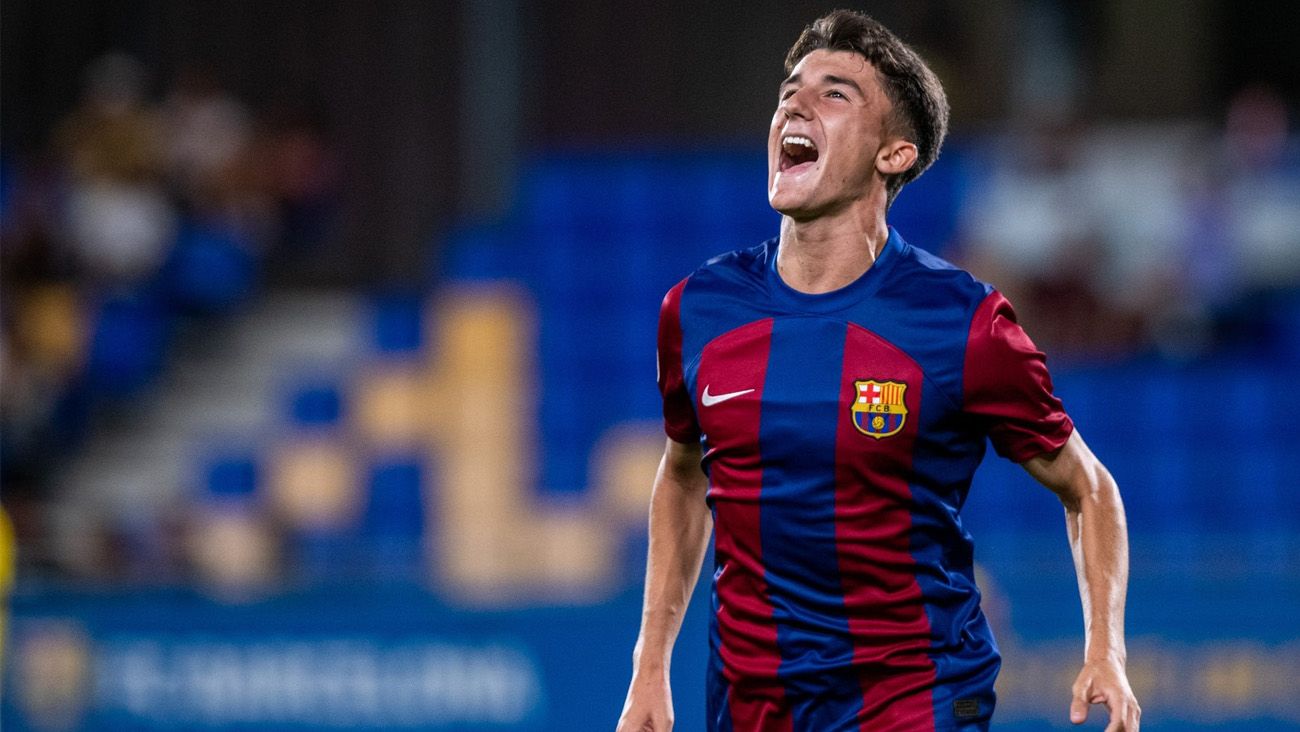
[795,106]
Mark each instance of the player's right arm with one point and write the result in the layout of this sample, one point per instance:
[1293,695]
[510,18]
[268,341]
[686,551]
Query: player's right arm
[1008,388]
[680,524]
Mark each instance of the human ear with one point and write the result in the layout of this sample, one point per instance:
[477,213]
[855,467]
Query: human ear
[895,156]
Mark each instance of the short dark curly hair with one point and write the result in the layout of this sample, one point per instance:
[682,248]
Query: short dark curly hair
[920,108]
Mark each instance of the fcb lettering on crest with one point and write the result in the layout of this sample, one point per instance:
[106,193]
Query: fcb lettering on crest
[878,408]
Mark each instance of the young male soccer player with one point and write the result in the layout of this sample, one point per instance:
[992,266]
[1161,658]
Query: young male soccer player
[837,386]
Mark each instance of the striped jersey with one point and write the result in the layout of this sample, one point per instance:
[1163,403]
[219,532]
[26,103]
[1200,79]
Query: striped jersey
[840,434]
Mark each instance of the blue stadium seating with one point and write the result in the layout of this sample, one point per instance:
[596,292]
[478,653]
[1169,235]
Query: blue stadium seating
[394,518]
[231,475]
[128,344]
[211,268]
[315,403]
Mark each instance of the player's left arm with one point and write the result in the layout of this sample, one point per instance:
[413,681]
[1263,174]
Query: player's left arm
[1098,533]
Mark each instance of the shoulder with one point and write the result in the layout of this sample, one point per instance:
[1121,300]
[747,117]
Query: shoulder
[930,280]
[738,265]
[926,307]
[726,292]
[735,273]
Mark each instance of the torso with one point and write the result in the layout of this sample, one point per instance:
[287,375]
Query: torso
[838,459]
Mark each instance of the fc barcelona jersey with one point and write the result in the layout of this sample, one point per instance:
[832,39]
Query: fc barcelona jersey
[840,433]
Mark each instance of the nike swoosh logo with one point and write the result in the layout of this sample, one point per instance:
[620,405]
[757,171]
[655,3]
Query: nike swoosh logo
[709,400]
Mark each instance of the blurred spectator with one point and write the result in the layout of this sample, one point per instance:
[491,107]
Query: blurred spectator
[119,218]
[1121,237]
[301,174]
[1035,226]
[136,217]
[41,330]
[218,173]
[208,133]
[1262,163]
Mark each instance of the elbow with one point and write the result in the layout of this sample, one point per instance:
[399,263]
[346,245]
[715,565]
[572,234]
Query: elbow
[1073,503]
[1089,488]
[1103,496]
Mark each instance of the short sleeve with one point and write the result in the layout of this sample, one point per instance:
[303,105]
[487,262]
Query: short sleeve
[679,412]
[1007,388]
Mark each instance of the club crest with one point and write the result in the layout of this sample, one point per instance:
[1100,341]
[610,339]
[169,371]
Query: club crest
[878,408]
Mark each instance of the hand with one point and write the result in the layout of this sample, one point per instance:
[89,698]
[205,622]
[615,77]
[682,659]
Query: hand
[1104,682]
[649,704]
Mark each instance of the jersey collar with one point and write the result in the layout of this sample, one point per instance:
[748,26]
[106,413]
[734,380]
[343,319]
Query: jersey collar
[835,300]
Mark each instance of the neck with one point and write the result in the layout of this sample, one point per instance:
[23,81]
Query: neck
[828,252]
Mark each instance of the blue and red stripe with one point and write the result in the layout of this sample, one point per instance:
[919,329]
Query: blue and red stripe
[887,619]
[746,636]
[801,404]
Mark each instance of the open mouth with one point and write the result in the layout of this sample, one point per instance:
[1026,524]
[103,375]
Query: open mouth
[796,150]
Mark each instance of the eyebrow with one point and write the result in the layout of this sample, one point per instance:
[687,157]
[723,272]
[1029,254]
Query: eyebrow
[846,82]
[829,78]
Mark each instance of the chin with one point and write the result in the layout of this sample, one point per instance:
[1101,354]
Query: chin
[794,190]
[785,208]
[791,203]
[784,205]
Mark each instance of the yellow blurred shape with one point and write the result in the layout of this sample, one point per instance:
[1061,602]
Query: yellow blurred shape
[624,464]
[8,564]
[51,328]
[233,550]
[1141,676]
[313,484]
[8,558]
[53,670]
[493,537]
[391,405]
[568,547]
[1231,680]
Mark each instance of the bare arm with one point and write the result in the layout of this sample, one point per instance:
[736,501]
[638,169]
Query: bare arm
[679,535]
[1095,523]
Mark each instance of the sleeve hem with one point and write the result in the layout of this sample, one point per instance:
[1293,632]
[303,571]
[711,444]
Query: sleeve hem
[685,437]
[1034,445]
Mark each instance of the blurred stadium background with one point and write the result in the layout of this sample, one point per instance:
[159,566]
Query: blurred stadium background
[328,340]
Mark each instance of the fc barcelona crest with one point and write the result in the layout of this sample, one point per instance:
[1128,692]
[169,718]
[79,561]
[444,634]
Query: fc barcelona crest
[879,409]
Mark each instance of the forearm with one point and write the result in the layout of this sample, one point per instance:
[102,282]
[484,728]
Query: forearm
[1094,517]
[679,534]
[1099,542]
